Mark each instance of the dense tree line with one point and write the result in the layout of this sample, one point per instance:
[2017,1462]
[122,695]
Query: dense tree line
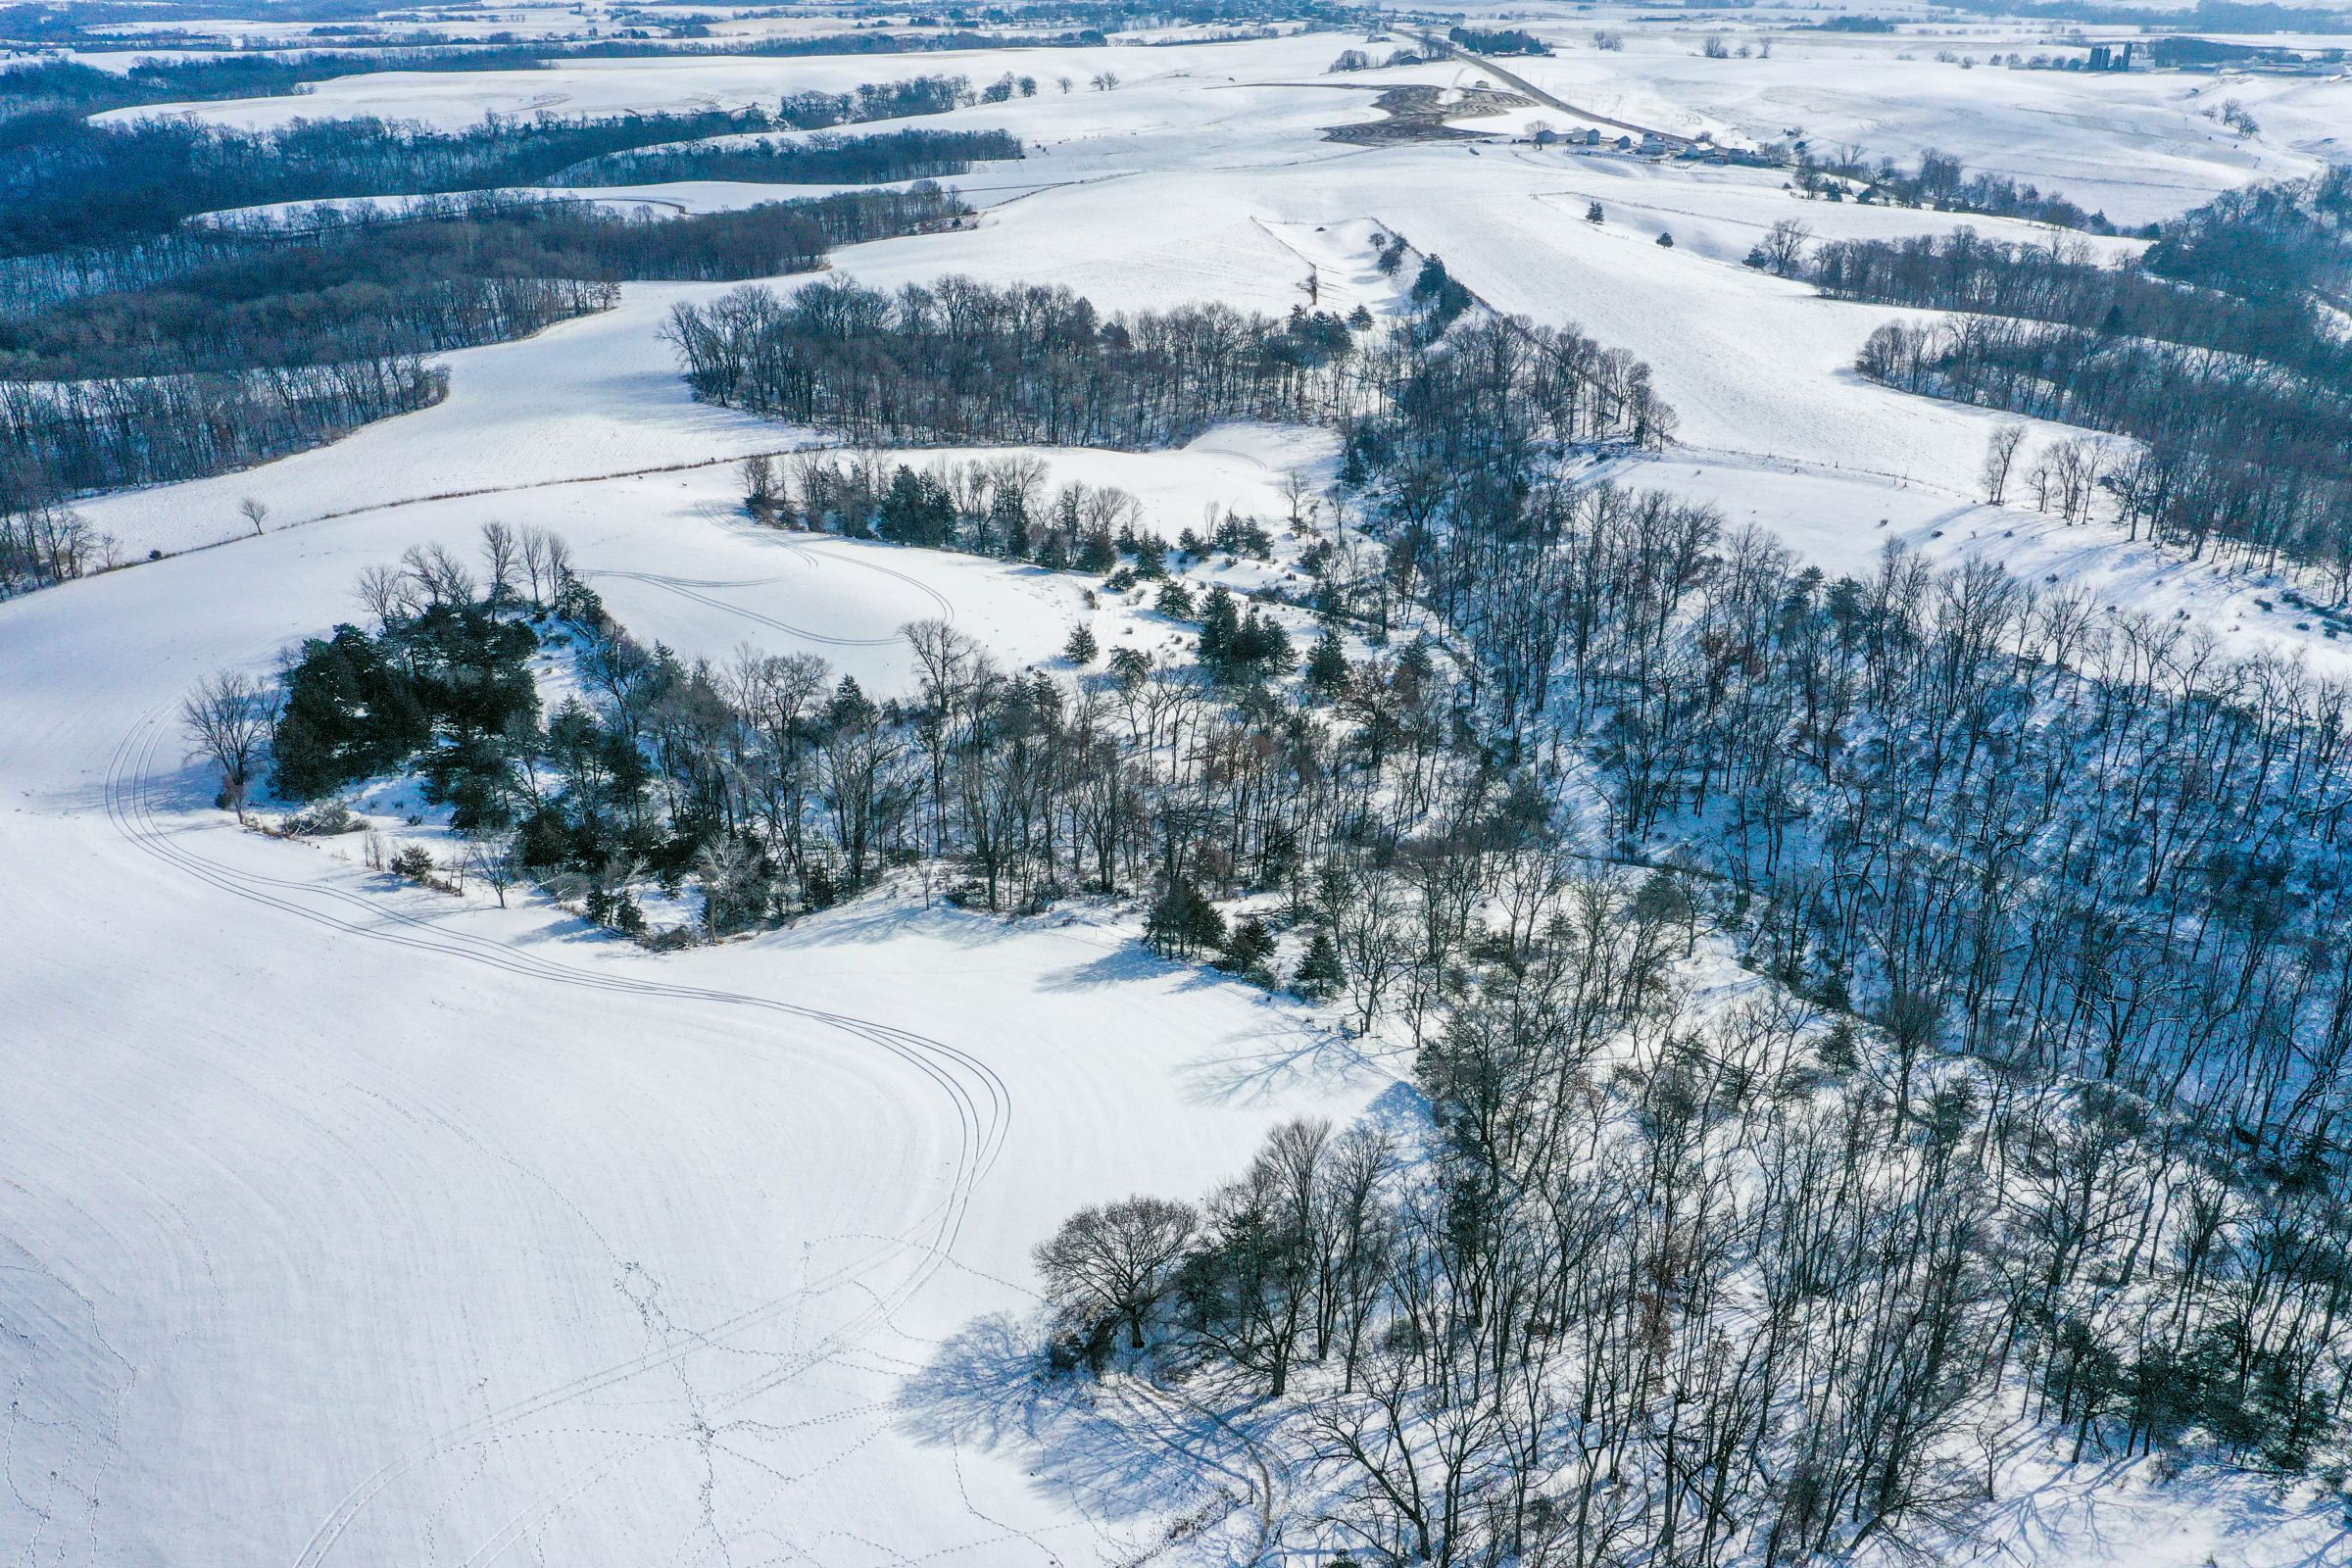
[68,184]
[42,83]
[819,159]
[964,361]
[439,276]
[812,110]
[308,336]
[2062,283]
[62,438]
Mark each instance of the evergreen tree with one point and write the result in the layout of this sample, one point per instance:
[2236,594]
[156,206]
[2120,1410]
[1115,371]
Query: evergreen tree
[1247,951]
[1082,648]
[1320,973]
[851,708]
[1219,624]
[1259,650]
[350,714]
[917,510]
[1008,519]
[1327,666]
[1183,922]
[1096,552]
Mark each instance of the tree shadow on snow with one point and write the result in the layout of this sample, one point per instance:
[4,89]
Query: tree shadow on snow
[1131,962]
[1105,1457]
[1288,1054]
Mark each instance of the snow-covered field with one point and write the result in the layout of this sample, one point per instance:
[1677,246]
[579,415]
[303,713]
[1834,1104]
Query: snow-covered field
[463,1235]
[1182,186]
[2136,146]
[341,1224]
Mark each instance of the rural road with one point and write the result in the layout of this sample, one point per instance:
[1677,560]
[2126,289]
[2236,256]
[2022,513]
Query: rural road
[1547,99]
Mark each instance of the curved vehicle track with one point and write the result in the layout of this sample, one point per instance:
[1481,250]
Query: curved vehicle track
[693,590]
[982,1103]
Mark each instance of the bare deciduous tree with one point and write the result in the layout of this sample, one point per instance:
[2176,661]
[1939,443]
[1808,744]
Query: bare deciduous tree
[501,555]
[493,864]
[1116,1263]
[228,719]
[441,577]
[384,592]
[534,562]
[2001,456]
[557,553]
[1783,245]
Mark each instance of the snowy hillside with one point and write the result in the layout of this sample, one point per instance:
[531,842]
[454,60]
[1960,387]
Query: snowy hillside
[348,1219]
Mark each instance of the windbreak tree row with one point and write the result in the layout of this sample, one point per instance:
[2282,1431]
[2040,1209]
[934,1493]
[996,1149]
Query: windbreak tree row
[820,159]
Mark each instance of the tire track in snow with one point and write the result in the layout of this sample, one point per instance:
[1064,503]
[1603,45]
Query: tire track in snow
[692,592]
[804,547]
[982,1101]
[691,588]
